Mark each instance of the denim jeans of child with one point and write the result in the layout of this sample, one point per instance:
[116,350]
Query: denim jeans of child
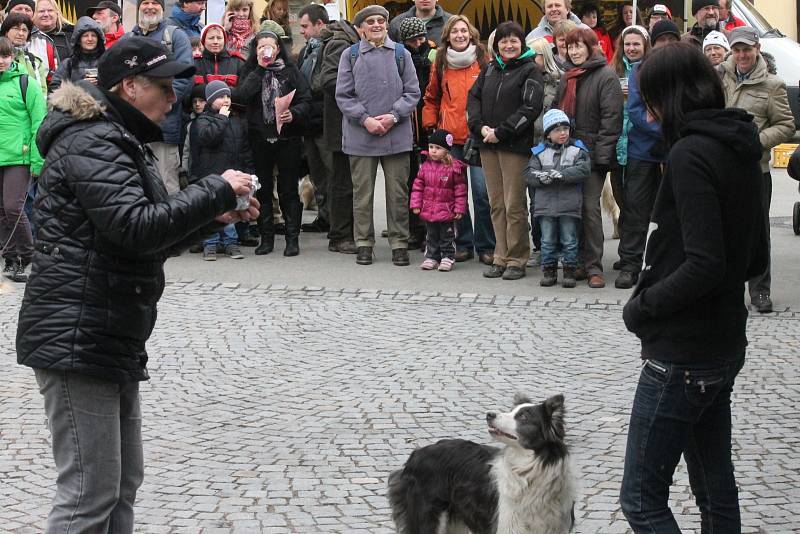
[229,237]
[96,429]
[559,237]
[681,409]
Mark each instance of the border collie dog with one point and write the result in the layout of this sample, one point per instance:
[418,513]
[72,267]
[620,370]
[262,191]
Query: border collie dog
[457,486]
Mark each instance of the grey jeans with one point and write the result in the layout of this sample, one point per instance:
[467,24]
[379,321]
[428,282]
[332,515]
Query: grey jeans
[96,429]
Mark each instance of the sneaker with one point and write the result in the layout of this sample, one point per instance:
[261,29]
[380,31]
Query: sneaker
[596,281]
[464,255]
[495,271]
[625,280]
[429,264]
[514,273]
[535,259]
[762,303]
[400,257]
[446,265]
[210,253]
[20,274]
[233,252]
[364,256]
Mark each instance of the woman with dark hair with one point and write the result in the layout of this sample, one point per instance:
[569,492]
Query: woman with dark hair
[459,60]
[88,44]
[707,237]
[591,16]
[502,109]
[269,73]
[591,96]
[17,28]
[623,19]
[20,117]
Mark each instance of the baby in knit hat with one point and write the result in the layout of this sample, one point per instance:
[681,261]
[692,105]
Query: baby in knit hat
[556,171]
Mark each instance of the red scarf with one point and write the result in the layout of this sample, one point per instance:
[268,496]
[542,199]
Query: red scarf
[568,100]
[239,35]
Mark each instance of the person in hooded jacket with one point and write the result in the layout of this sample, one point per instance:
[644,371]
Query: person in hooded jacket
[269,73]
[707,237]
[590,94]
[502,109]
[217,63]
[88,44]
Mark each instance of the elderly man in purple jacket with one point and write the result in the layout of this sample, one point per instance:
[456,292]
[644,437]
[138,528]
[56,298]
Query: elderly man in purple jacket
[377,91]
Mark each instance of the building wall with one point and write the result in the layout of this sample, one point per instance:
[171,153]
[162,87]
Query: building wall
[781,13]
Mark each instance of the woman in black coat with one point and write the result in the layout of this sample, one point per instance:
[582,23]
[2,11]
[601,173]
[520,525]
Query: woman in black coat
[267,74]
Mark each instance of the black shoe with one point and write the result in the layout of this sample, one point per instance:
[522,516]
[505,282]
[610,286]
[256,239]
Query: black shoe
[495,271]
[343,246]
[514,273]
[20,271]
[400,257]
[617,265]
[762,303]
[569,278]
[550,276]
[267,244]
[280,229]
[317,225]
[625,280]
[292,246]
[364,256]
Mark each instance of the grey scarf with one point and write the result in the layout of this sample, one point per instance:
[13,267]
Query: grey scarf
[271,88]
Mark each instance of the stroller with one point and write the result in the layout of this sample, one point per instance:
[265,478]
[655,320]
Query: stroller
[794,172]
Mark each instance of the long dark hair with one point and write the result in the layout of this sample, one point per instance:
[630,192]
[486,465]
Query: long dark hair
[676,79]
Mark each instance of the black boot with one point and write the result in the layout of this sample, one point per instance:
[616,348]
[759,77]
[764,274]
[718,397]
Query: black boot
[266,228]
[293,213]
[549,275]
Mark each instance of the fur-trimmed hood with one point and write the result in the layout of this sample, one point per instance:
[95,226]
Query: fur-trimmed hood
[83,102]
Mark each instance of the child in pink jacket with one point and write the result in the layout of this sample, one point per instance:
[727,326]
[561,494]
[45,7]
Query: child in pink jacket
[439,197]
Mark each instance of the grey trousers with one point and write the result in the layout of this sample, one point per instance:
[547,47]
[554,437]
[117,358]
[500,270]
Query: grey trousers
[96,429]
[169,165]
[320,166]
[591,243]
[364,170]
[762,282]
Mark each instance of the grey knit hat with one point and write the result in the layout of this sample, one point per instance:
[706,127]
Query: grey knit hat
[370,11]
[412,27]
[214,90]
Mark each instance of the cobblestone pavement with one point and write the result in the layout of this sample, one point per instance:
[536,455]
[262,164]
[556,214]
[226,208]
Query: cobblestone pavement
[288,415]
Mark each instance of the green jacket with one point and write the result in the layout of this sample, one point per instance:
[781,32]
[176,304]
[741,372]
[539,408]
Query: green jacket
[33,67]
[19,121]
[764,96]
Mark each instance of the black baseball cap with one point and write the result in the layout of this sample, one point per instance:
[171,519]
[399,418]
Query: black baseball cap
[105,4]
[139,55]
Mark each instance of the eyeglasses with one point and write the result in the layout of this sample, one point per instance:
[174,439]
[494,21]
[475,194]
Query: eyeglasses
[375,21]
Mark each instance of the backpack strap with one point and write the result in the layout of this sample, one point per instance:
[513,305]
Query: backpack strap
[166,38]
[353,54]
[23,86]
[399,56]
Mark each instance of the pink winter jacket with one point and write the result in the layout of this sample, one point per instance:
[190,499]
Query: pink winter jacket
[440,191]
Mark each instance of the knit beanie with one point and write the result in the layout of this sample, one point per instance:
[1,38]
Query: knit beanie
[441,138]
[139,3]
[369,11]
[663,27]
[552,119]
[12,3]
[716,38]
[697,5]
[214,90]
[210,26]
[412,27]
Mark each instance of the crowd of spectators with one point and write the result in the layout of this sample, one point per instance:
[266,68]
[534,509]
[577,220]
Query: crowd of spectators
[369,92]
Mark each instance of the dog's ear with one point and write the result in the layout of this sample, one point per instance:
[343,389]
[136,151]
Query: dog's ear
[554,409]
[519,398]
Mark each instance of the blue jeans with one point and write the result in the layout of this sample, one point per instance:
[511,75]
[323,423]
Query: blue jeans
[96,429]
[229,237]
[559,237]
[681,409]
[482,239]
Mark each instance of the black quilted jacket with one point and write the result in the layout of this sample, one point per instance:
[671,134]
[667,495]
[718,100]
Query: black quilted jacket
[105,227]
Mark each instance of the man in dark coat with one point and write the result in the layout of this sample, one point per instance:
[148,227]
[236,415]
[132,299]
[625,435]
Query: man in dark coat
[105,227]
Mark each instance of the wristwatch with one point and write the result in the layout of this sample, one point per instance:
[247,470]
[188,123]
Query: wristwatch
[395,118]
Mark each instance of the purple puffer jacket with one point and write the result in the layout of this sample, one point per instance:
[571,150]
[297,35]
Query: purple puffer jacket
[440,191]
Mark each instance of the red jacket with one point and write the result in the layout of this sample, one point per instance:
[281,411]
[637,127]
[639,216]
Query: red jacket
[733,22]
[440,190]
[112,38]
[606,44]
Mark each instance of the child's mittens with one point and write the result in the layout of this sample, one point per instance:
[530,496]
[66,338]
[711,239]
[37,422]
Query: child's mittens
[543,177]
[555,176]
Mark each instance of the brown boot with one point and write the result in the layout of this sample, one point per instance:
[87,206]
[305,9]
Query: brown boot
[549,276]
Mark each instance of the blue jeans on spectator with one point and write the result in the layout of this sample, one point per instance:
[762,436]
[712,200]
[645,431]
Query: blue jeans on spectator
[228,237]
[96,429]
[482,238]
[681,409]
[559,238]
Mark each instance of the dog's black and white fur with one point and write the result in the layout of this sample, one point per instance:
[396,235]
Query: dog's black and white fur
[457,486]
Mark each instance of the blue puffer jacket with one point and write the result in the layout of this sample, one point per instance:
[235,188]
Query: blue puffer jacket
[172,127]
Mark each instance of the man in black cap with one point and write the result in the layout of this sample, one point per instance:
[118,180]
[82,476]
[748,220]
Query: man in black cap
[706,15]
[109,15]
[106,227]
